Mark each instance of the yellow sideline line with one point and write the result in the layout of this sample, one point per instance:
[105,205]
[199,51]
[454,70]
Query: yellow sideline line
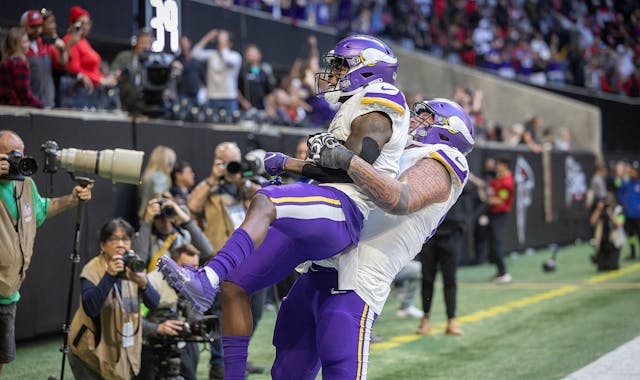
[615,274]
[509,306]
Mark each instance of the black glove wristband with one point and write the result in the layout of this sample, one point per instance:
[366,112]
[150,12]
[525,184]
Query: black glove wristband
[336,158]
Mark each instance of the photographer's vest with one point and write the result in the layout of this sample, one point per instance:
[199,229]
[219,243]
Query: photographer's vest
[219,226]
[17,239]
[105,354]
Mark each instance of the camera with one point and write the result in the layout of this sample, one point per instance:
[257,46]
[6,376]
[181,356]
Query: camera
[245,168]
[167,349]
[48,40]
[156,76]
[166,211]
[19,166]
[133,262]
[251,165]
[118,165]
[77,26]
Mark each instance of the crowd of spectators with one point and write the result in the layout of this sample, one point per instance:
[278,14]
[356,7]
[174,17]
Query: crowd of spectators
[531,133]
[208,82]
[213,82]
[593,43]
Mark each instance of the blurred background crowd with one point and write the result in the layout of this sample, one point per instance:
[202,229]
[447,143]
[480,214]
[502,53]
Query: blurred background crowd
[592,44]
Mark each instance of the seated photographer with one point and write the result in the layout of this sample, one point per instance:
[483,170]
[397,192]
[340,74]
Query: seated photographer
[165,225]
[106,334]
[164,327]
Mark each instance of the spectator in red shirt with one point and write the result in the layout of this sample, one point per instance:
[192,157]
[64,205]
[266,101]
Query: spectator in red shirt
[14,71]
[501,190]
[43,56]
[83,60]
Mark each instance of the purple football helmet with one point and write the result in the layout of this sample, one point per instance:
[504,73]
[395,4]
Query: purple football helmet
[355,62]
[441,121]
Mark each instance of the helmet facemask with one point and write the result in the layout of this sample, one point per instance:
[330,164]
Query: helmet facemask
[335,75]
[345,74]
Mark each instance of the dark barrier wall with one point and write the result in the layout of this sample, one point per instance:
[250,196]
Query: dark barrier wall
[44,293]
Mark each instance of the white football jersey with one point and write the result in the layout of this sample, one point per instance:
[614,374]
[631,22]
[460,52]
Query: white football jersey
[388,242]
[381,97]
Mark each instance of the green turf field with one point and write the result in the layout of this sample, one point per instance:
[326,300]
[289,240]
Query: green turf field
[543,326]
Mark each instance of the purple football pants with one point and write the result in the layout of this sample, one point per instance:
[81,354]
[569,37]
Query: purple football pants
[312,223]
[320,327]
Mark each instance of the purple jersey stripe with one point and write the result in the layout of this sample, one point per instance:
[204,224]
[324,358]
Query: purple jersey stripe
[396,98]
[280,203]
[361,338]
[453,167]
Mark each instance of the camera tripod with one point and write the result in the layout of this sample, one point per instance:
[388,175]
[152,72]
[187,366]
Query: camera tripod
[75,259]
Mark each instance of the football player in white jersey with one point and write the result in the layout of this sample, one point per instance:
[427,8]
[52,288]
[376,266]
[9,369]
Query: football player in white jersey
[291,224]
[326,319]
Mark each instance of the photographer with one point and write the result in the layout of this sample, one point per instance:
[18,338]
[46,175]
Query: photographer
[223,68]
[164,327]
[222,199]
[165,225]
[608,220]
[105,336]
[23,209]
[130,63]
[221,202]
[182,178]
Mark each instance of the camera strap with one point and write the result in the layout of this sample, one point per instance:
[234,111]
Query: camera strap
[128,332]
[17,198]
[165,246]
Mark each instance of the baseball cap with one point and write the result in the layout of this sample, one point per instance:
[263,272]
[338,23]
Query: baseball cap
[76,12]
[34,17]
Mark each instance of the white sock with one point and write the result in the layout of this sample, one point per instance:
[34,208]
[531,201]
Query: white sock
[212,276]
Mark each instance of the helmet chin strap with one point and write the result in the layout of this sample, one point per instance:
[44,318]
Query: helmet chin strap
[332,97]
[339,96]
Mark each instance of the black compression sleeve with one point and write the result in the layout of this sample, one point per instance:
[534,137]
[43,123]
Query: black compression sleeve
[325,175]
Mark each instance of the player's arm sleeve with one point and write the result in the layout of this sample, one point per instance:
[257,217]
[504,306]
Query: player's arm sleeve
[317,173]
[325,175]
